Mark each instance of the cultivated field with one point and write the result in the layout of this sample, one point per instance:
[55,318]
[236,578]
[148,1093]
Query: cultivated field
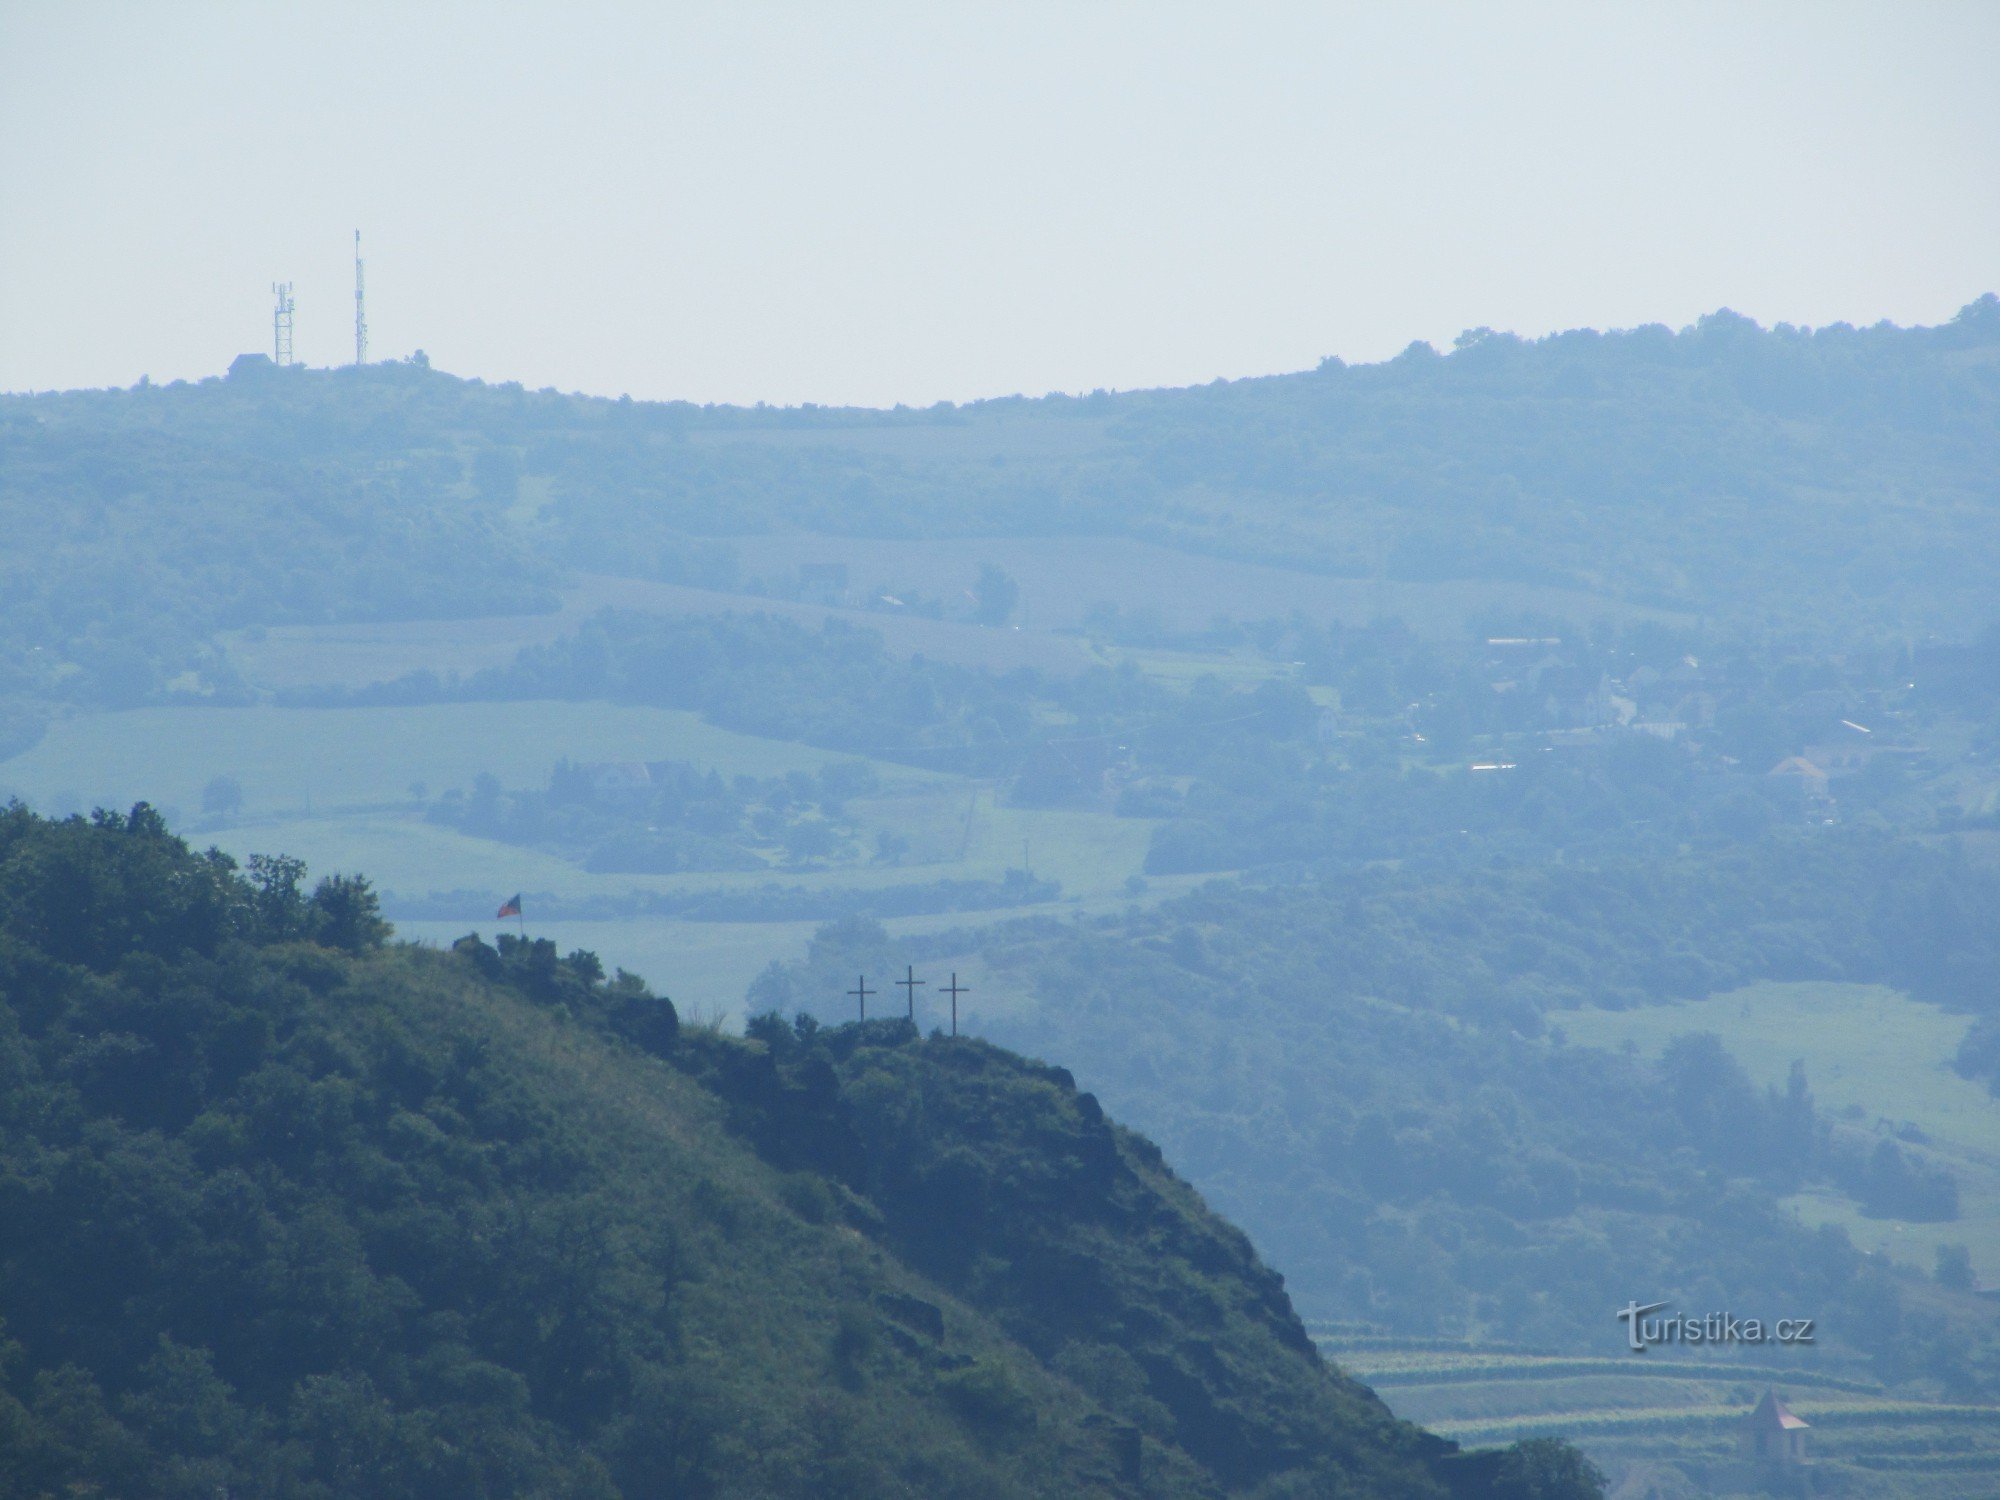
[1673,1422]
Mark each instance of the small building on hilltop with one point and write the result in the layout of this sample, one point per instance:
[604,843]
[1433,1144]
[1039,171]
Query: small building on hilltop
[1772,1434]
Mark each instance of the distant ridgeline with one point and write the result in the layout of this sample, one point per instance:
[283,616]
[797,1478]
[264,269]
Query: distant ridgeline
[1839,480]
[286,1212]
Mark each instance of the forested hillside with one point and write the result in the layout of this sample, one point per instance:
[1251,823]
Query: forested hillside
[286,1212]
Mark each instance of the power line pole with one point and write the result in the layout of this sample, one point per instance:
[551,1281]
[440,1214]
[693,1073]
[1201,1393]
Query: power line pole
[955,989]
[909,982]
[281,324]
[861,992]
[360,308]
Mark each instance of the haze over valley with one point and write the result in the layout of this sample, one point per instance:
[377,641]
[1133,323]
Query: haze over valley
[1416,921]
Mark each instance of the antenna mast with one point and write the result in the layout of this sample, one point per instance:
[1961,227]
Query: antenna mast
[281,323]
[360,310]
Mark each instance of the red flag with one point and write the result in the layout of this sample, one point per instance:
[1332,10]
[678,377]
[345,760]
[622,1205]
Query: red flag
[511,907]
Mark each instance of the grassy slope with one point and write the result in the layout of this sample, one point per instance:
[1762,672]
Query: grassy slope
[772,1288]
[1002,1184]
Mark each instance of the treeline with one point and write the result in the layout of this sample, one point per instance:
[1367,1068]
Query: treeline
[836,687]
[664,817]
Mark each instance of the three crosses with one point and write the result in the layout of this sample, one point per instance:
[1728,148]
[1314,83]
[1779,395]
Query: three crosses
[911,984]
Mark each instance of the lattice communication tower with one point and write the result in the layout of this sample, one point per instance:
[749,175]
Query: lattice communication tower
[360,308]
[281,323]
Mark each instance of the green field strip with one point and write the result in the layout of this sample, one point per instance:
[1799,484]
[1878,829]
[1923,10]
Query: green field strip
[1523,1401]
[1330,1343]
[1943,1463]
[1652,1420]
[1665,1419]
[1435,1369]
[1530,1370]
[1912,1440]
[1686,1455]
[1865,1413]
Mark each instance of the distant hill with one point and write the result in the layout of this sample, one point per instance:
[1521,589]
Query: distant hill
[1832,480]
[1838,482]
[287,1212]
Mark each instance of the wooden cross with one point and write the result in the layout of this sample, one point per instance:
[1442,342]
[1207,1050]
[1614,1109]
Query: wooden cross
[861,992]
[955,989]
[909,982]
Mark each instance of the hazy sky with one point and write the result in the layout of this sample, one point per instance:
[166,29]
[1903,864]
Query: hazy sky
[880,203]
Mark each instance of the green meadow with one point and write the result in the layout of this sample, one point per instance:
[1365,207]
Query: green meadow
[1876,1060]
[333,787]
